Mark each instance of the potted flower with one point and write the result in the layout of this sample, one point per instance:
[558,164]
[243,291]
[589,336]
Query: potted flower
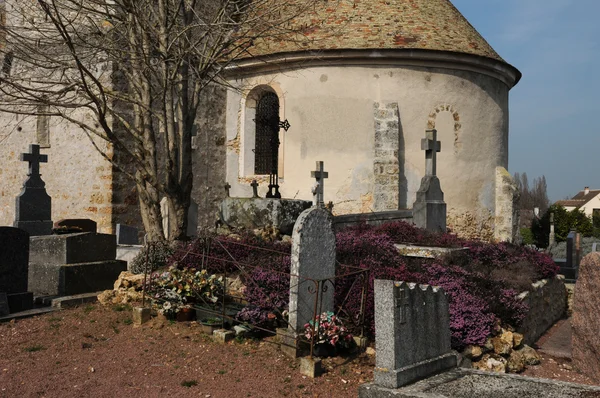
[328,334]
[209,325]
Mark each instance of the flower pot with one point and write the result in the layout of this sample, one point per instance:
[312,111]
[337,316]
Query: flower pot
[186,315]
[209,327]
[324,350]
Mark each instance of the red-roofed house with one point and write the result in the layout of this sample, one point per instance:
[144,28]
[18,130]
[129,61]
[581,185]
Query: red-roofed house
[587,200]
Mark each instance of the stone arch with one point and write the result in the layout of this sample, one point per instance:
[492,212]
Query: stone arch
[431,123]
[253,142]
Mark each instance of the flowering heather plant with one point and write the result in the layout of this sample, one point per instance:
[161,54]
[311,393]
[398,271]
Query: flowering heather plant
[327,328]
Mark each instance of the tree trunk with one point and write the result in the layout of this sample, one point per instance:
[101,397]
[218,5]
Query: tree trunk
[150,211]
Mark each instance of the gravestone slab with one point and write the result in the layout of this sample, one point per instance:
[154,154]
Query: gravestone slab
[192,219]
[412,333]
[585,322]
[127,235]
[75,225]
[313,264]
[4,308]
[14,260]
[34,205]
[73,264]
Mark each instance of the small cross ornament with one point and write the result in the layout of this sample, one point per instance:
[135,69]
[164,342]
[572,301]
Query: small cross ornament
[318,192]
[254,186]
[401,299]
[34,158]
[431,146]
[227,188]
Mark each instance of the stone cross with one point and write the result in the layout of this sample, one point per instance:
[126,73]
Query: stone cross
[34,158]
[319,175]
[431,146]
[227,188]
[254,189]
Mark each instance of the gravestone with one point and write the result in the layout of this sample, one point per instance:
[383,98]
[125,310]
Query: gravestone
[73,264]
[412,333]
[14,262]
[570,267]
[585,322]
[192,220]
[33,205]
[127,235]
[429,209]
[75,225]
[312,270]
[318,189]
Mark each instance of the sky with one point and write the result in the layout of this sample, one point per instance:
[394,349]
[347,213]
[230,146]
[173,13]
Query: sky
[556,105]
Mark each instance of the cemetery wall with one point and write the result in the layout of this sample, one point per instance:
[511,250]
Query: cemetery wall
[342,114]
[547,304]
[77,178]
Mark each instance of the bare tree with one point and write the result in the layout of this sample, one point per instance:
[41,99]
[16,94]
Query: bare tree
[138,68]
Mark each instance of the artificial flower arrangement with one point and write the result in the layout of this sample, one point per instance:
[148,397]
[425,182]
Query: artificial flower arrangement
[175,289]
[327,328]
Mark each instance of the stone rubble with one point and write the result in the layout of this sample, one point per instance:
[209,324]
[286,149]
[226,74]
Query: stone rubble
[504,353]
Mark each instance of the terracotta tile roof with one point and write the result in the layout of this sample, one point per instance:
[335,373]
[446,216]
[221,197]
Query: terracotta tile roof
[379,24]
[580,199]
[570,203]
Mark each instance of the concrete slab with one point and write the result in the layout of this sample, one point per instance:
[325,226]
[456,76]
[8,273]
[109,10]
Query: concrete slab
[468,383]
[27,314]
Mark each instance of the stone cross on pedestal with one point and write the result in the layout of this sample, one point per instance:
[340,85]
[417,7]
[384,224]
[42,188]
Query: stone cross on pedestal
[227,188]
[254,189]
[551,238]
[429,208]
[34,158]
[33,207]
[318,192]
[431,146]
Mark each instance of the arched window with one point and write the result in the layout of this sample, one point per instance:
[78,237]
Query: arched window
[266,133]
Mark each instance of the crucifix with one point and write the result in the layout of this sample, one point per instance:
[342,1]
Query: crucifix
[318,192]
[431,146]
[401,302]
[254,186]
[34,158]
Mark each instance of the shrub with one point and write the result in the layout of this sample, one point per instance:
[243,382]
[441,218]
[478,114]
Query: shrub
[157,255]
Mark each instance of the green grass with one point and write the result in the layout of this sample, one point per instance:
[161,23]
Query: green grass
[34,348]
[128,321]
[88,309]
[222,372]
[122,307]
[189,383]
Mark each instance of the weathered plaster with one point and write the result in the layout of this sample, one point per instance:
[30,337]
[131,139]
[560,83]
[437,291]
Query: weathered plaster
[332,120]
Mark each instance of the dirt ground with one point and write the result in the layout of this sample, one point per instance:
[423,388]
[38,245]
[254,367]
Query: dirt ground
[95,351]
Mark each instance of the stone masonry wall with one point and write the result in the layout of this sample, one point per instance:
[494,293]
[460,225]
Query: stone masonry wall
[77,178]
[385,161]
[208,154]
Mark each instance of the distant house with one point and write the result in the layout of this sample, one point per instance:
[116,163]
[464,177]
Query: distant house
[587,200]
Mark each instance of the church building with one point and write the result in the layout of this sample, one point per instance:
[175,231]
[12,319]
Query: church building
[359,89]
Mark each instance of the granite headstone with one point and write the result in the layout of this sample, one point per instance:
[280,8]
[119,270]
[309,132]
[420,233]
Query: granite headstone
[127,235]
[412,333]
[33,205]
[14,265]
[585,322]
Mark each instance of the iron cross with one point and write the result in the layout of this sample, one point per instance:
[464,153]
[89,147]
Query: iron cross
[227,188]
[319,174]
[254,186]
[34,158]
[431,146]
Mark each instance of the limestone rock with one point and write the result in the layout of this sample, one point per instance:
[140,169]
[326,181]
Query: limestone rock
[517,340]
[473,352]
[516,362]
[106,297]
[488,345]
[507,337]
[494,363]
[501,347]
[585,321]
[530,356]
[370,351]
[128,280]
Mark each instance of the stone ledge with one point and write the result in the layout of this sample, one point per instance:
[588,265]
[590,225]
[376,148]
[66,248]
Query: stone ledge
[467,383]
[411,373]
